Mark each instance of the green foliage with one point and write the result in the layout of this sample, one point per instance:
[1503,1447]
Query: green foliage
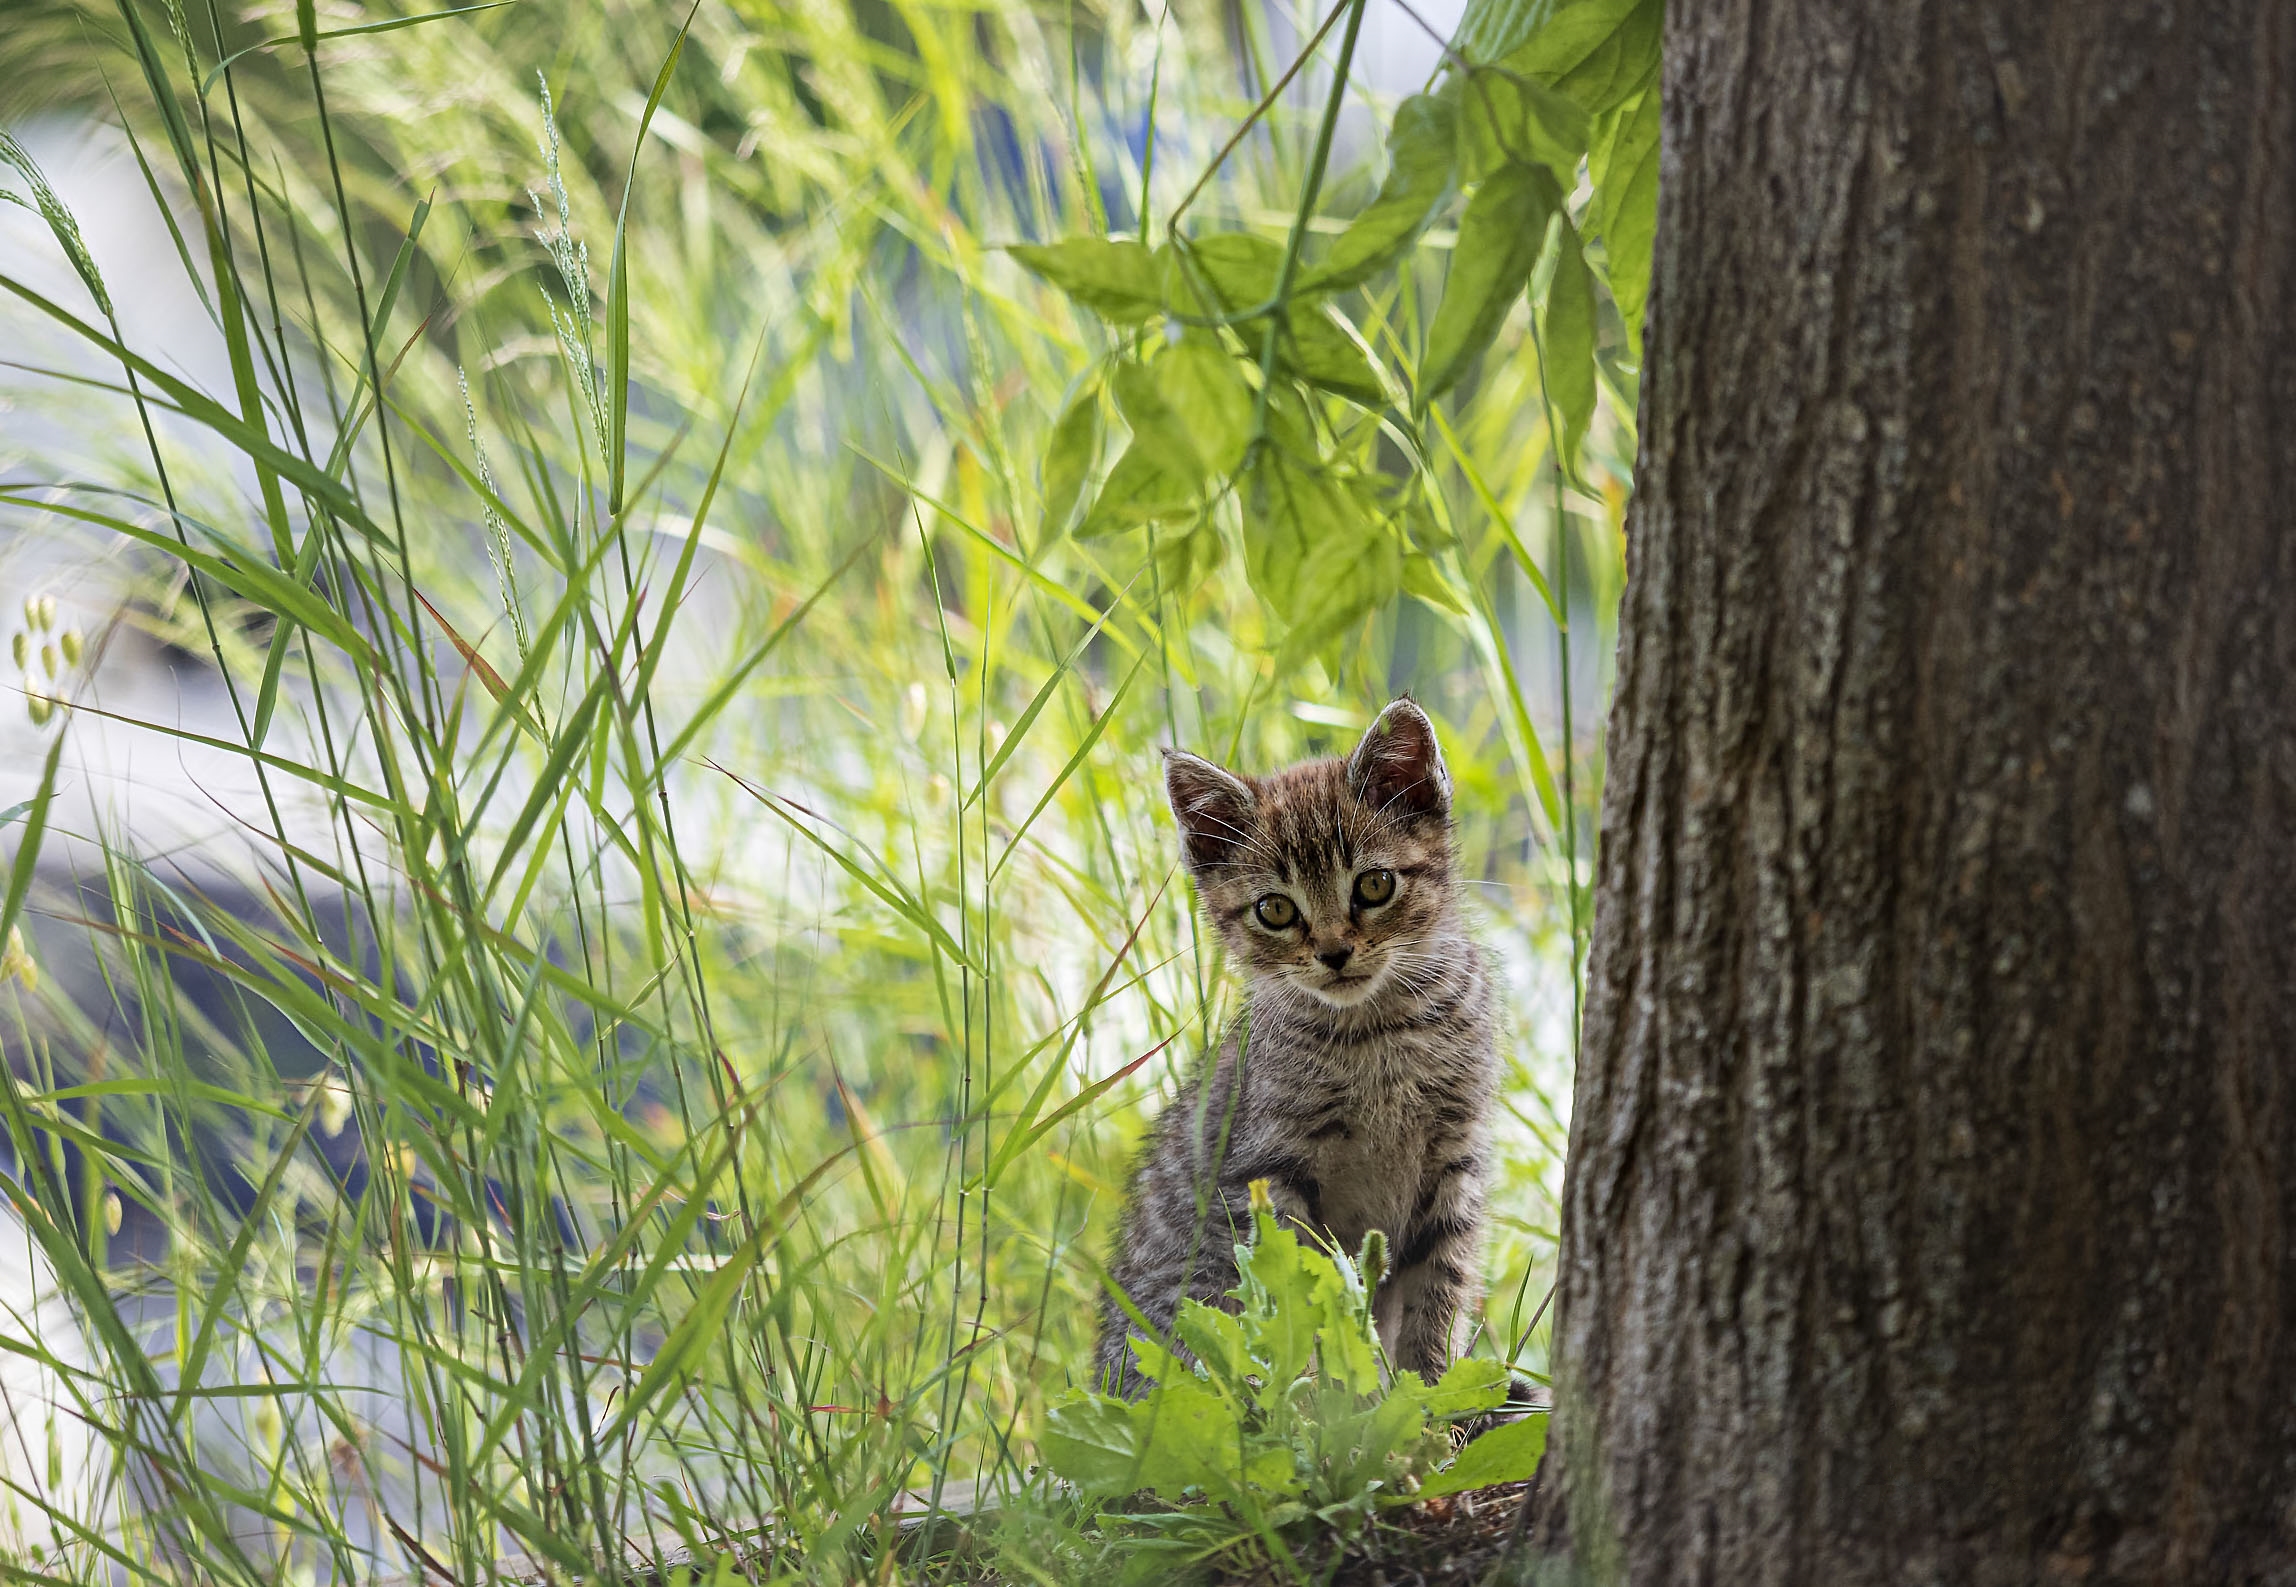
[1275,1411]
[1500,238]
[688,732]
[1537,93]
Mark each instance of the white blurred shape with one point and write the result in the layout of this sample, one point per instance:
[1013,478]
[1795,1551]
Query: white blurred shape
[46,1448]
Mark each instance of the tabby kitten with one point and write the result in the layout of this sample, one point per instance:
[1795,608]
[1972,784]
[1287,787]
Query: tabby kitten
[1359,1079]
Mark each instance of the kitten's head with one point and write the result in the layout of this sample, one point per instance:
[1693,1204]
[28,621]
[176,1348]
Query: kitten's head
[1331,876]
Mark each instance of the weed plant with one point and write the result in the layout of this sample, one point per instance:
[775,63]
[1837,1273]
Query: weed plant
[645,1056]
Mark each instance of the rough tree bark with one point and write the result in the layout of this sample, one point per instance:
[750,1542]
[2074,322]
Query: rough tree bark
[1931,1206]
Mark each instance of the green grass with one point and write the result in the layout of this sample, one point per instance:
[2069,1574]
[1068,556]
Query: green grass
[704,839]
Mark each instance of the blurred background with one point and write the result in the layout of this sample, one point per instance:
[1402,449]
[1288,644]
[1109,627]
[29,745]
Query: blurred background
[594,966]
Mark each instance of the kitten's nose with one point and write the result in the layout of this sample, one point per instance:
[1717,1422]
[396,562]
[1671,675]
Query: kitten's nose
[1336,958]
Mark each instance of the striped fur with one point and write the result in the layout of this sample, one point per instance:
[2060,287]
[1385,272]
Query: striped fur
[1361,1092]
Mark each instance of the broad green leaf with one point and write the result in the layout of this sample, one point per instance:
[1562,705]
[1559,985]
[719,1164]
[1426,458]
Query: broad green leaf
[1069,456]
[1566,351]
[1423,577]
[1188,1439]
[1347,576]
[1322,354]
[1116,280]
[1507,1453]
[1421,150]
[1491,28]
[1185,560]
[1240,267]
[1158,1364]
[1599,52]
[1500,236]
[1622,161]
[1139,489]
[1157,428]
[1201,383]
[1378,1441]
[1472,1384]
[1289,506]
[1089,1440]
[1507,119]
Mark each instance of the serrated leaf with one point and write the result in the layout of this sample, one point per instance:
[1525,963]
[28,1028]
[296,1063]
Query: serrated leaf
[1421,149]
[1116,280]
[1204,385]
[1507,1453]
[1471,1384]
[1188,1440]
[1500,237]
[1089,1440]
[1220,1344]
[1069,456]
[1284,1321]
[1507,119]
[1622,161]
[1566,350]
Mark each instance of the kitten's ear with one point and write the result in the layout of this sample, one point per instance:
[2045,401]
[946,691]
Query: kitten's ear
[1216,809]
[1398,768]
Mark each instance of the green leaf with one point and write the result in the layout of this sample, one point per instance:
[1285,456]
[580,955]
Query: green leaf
[1288,507]
[1139,489]
[1188,1440]
[1507,1453]
[1491,28]
[1566,351]
[1204,386]
[1421,150]
[1116,280]
[1156,426]
[14,812]
[1284,1304]
[1185,560]
[1069,456]
[1622,161]
[1089,1440]
[1221,1345]
[1471,1384]
[618,280]
[1599,52]
[1518,120]
[1500,237]
[1240,267]
[1423,577]
[1319,352]
[1346,578]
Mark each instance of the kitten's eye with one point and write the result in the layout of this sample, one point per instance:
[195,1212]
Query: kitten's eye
[1277,912]
[1374,888]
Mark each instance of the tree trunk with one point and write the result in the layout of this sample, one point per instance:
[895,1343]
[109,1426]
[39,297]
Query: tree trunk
[1931,1207]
